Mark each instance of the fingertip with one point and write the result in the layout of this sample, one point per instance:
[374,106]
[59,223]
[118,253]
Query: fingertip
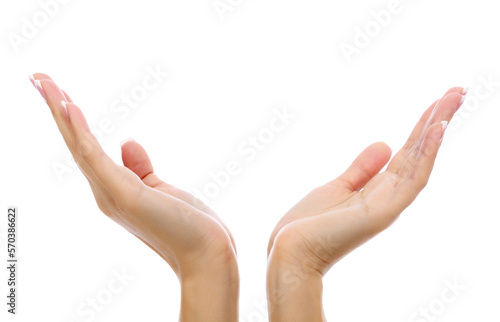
[444,125]
[461,102]
[135,158]
[68,99]
[453,96]
[382,146]
[381,152]
[41,76]
[456,89]
[448,107]
[366,165]
[32,79]
[122,143]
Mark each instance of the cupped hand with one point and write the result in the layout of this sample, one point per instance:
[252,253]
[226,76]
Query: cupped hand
[180,228]
[337,217]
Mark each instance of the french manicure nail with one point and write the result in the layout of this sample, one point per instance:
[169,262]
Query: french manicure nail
[461,102]
[39,87]
[32,79]
[125,141]
[444,126]
[465,90]
[63,104]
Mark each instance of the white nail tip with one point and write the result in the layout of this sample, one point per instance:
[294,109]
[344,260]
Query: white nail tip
[464,92]
[38,84]
[125,141]
[31,77]
[63,103]
[444,124]
[461,101]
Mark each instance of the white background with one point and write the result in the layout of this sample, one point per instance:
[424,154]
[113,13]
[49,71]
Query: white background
[225,78]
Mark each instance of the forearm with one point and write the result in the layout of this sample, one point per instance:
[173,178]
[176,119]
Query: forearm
[294,293]
[211,296]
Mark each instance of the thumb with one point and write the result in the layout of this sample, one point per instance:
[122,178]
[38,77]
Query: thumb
[136,159]
[365,166]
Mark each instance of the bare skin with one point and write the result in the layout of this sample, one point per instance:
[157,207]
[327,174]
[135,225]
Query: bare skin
[334,219]
[181,229]
[326,225]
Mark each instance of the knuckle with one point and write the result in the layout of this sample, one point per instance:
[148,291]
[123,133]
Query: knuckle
[409,144]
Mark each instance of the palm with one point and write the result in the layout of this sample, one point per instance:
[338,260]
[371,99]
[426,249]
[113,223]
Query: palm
[337,217]
[186,209]
[169,220]
[180,220]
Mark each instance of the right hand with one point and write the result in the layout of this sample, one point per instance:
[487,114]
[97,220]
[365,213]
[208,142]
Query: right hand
[180,228]
[339,216]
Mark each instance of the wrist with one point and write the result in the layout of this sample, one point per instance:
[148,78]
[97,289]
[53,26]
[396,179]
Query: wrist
[294,290]
[211,295]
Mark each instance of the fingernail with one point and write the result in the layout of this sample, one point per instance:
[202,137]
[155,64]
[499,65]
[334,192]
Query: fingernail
[461,102]
[465,90]
[39,87]
[32,79]
[444,126]
[63,103]
[125,141]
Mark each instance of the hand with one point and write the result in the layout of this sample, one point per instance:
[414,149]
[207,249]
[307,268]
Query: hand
[181,229]
[339,216]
